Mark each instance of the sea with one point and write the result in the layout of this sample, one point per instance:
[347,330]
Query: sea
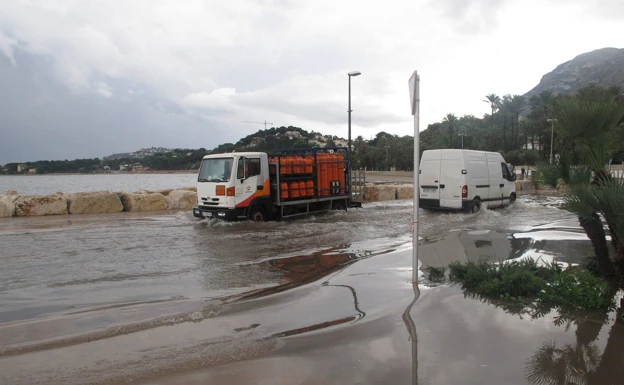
[50,184]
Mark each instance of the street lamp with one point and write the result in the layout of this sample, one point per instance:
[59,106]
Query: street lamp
[462,135]
[552,134]
[350,74]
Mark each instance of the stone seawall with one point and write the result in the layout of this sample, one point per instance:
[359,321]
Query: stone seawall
[13,204]
[96,202]
[385,192]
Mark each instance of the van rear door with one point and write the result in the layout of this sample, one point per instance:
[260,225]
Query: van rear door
[451,166]
[429,179]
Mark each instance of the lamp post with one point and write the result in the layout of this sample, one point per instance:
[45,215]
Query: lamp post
[552,135]
[462,136]
[350,74]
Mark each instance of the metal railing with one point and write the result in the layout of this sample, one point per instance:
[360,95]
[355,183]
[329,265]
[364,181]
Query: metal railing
[358,185]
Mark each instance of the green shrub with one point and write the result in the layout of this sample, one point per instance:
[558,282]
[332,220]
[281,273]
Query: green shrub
[436,274]
[544,175]
[527,283]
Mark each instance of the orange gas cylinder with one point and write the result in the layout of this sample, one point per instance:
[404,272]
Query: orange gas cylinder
[324,175]
[304,164]
[309,161]
[289,161]
[297,165]
[282,162]
[302,189]
[284,190]
[309,188]
[317,159]
[319,173]
[334,177]
[294,189]
[341,173]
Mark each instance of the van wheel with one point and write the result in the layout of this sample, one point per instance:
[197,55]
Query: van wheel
[476,206]
[257,214]
[512,198]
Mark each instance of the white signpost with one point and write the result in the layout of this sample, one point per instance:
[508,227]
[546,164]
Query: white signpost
[414,85]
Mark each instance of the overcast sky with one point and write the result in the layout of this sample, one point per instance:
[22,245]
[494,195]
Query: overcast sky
[187,73]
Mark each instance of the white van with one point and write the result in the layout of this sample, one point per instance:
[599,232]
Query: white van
[465,179]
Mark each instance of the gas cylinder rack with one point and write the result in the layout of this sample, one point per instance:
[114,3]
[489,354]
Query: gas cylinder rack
[309,180]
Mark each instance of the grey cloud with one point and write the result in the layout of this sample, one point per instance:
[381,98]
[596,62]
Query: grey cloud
[470,16]
[42,119]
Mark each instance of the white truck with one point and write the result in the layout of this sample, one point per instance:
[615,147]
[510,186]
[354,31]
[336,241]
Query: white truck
[465,180]
[261,187]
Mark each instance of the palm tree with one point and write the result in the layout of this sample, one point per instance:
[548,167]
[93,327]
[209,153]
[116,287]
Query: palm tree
[494,101]
[505,109]
[516,105]
[543,101]
[451,119]
[591,132]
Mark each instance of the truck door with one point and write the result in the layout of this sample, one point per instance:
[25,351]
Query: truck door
[248,173]
[497,183]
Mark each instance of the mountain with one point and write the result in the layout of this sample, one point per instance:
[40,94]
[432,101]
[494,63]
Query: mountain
[604,67]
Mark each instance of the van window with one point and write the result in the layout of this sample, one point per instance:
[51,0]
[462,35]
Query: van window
[506,173]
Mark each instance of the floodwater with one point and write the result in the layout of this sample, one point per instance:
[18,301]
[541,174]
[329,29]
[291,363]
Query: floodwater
[165,299]
[50,184]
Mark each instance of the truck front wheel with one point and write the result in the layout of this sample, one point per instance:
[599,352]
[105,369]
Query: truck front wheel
[258,214]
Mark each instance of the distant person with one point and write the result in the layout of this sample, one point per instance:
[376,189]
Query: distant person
[523,172]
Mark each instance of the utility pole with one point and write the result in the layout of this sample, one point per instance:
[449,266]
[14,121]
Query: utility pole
[265,123]
[349,149]
[462,136]
[552,135]
[414,88]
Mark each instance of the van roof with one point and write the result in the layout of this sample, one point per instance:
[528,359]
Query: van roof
[463,151]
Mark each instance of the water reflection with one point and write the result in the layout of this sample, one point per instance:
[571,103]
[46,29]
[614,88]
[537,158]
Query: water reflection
[300,270]
[581,362]
[463,245]
[413,337]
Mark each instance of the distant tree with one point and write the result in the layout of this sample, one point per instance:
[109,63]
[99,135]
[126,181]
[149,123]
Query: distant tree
[516,105]
[494,101]
[451,121]
[506,110]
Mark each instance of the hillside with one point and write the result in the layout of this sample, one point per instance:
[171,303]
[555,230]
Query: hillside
[603,67]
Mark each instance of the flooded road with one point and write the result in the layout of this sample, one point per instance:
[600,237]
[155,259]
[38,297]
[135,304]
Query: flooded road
[163,298]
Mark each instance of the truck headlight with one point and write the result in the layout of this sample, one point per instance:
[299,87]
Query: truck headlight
[221,214]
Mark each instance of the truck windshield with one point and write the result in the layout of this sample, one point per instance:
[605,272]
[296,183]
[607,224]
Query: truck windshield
[215,170]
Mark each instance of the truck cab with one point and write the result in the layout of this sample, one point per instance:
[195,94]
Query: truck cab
[234,186]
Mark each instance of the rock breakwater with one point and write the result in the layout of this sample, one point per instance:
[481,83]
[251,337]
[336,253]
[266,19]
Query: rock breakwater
[12,204]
